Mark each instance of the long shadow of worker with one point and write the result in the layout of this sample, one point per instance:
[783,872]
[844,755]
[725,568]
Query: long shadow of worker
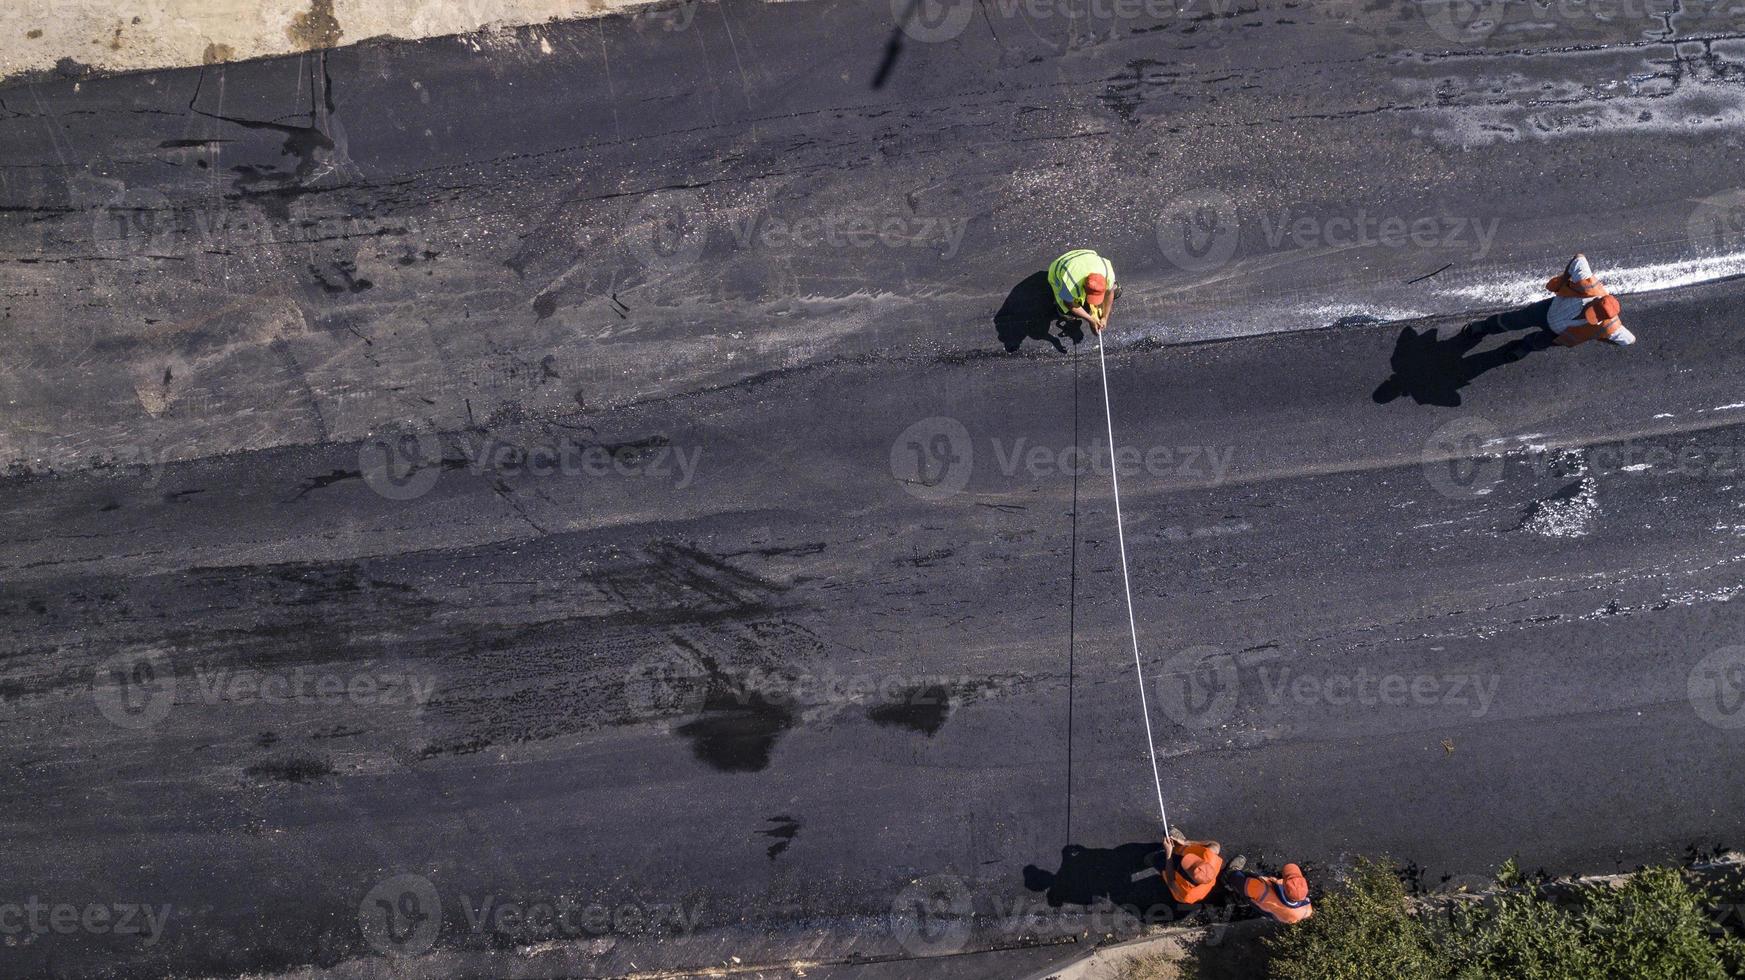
[1090,873]
[1431,371]
[1029,313]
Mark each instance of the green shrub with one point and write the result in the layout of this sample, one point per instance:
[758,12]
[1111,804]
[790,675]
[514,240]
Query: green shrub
[1361,930]
[1655,926]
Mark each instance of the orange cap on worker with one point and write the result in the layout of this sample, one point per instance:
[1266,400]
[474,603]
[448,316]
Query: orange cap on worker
[1189,867]
[1284,898]
[1096,287]
[1083,284]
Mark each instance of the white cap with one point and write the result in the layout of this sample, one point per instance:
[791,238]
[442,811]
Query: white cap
[1578,269]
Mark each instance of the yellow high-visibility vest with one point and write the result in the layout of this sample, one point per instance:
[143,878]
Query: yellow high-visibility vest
[1066,276]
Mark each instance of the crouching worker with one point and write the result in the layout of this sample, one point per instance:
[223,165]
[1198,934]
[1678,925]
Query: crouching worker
[1285,898]
[1189,867]
[1083,284]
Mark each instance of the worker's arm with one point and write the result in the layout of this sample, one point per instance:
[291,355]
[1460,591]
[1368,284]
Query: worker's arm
[1090,317]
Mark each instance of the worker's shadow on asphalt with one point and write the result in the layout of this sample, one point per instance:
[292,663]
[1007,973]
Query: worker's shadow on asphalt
[1431,371]
[1029,313]
[1090,873]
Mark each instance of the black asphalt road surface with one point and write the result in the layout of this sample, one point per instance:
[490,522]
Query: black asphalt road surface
[607,499]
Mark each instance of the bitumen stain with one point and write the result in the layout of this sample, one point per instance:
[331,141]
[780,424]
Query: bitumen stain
[317,28]
[544,305]
[785,830]
[737,733]
[296,769]
[349,280]
[319,482]
[923,708]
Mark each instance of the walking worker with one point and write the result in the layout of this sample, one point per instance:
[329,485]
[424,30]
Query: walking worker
[1083,283]
[1583,309]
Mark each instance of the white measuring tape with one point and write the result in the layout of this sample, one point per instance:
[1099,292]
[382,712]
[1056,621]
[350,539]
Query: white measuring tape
[1127,585]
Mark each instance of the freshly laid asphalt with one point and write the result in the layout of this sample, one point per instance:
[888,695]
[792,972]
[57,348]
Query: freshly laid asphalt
[615,468]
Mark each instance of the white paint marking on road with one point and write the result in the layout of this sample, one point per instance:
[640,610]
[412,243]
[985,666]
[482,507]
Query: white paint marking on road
[1621,280]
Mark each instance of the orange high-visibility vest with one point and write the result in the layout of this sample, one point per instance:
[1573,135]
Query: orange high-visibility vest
[1269,895]
[1183,888]
[1601,318]
[1589,288]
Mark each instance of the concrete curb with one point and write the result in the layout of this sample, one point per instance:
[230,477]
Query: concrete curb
[79,36]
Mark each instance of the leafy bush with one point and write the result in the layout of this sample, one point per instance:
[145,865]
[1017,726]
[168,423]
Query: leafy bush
[1654,926]
[1361,930]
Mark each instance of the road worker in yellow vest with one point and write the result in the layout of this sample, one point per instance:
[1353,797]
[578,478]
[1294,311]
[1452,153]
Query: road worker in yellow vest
[1582,309]
[1083,283]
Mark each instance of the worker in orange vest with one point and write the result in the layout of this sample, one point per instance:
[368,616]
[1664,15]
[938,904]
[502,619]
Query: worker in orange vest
[1285,898]
[1582,309]
[1189,867]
